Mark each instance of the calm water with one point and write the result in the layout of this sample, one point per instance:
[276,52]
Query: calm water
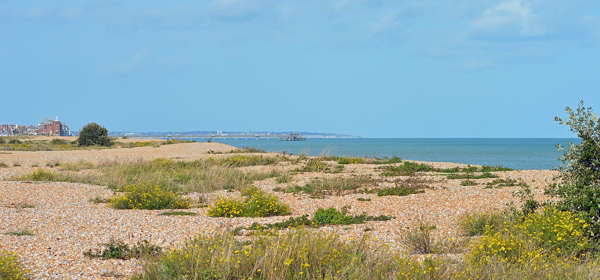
[538,153]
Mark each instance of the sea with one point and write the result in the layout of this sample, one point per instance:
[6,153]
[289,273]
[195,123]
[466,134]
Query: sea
[516,153]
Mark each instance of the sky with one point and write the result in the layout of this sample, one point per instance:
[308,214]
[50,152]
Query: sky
[370,68]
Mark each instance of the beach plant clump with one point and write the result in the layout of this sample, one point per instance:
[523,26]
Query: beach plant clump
[294,255]
[194,176]
[150,197]
[549,233]
[405,169]
[246,160]
[322,217]
[500,183]
[256,203]
[93,134]
[11,267]
[117,249]
[330,185]
[579,187]
[474,224]
[471,176]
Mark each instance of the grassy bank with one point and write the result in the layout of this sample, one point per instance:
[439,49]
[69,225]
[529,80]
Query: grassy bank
[195,176]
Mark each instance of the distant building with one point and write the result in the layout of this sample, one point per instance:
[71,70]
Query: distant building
[47,127]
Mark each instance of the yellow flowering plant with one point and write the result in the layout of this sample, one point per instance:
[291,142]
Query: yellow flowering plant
[150,197]
[256,203]
[11,268]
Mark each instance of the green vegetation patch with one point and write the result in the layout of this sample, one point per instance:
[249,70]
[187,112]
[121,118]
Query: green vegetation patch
[256,203]
[11,267]
[331,185]
[500,183]
[478,223]
[195,176]
[3,165]
[117,249]
[246,160]
[20,233]
[150,197]
[322,217]
[178,213]
[399,191]
[468,183]
[470,176]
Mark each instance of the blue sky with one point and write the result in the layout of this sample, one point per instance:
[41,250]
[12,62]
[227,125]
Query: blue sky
[374,68]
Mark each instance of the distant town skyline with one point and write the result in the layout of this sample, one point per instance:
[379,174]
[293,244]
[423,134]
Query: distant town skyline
[448,68]
[46,127]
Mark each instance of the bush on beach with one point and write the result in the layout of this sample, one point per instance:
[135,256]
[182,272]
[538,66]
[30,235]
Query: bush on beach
[94,134]
[256,203]
[149,197]
[11,267]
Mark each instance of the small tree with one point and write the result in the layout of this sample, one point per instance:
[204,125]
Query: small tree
[579,188]
[93,134]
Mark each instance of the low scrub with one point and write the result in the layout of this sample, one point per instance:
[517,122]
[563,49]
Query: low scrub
[178,213]
[284,178]
[256,203]
[150,197]
[331,185]
[468,183]
[117,249]
[470,176]
[20,233]
[399,191]
[77,166]
[11,267]
[294,255]
[315,165]
[246,160]
[550,233]
[405,169]
[500,183]
[195,176]
[322,217]
[478,223]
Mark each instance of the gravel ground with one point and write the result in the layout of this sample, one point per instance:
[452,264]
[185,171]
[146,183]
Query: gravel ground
[65,223]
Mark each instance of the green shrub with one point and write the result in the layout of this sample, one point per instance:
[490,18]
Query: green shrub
[477,223]
[256,203]
[11,268]
[487,168]
[150,197]
[117,249]
[177,213]
[500,183]
[419,240]
[315,165]
[405,169]
[322,217]
[294,255]
[549,233]
[579,186]
[93,134]
[41,175]
[468,183]
[399,191]
[284,178]
[19,233]
[470,176]
[246,160]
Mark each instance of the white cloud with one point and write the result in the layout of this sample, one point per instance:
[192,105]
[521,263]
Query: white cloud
[511,17]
